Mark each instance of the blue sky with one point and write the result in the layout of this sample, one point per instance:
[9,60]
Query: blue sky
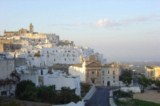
[120,29]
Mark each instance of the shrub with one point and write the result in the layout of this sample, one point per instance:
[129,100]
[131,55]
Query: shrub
[119,94]
[26,90]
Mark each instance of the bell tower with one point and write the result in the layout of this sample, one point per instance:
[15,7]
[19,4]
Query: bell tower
[31,28]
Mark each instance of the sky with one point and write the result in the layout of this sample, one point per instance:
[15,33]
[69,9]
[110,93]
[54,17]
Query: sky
[122,30]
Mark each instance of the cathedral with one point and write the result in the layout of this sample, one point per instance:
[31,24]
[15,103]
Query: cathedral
[20,32]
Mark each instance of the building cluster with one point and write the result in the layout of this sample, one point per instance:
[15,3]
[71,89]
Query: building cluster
[152,72]
[93,72]
[29,55]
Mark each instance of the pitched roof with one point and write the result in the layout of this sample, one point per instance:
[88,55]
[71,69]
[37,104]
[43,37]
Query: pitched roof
[93,64]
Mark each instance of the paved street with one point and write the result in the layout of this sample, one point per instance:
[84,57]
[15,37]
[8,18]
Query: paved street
[100,98]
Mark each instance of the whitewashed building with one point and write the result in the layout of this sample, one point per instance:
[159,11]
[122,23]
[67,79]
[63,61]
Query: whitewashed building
[7,83]
[6,68]
[41,76]
[53,39]
[57,55]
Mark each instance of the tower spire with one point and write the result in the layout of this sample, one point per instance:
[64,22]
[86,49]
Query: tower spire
[31,28]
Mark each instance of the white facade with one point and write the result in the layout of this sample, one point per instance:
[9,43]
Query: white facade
[63,81]
[132,89]
[57,78]
[30,76]
[56,55]
[6,68]
[53,38]
[50,52]
[78,71]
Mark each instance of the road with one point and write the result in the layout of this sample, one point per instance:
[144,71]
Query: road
[99,98]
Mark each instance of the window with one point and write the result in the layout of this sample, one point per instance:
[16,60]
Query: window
[113,77]
[41,72]
[93,80]
[113,72]
[102,72]
[108,71]
[92,72]
[65,59]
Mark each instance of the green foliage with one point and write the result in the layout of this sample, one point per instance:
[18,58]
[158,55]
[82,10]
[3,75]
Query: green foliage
[85,87]
[136,102]
[46,94]
[67,95]
[144,103]
[144,81]
[157,83]
[126,76]
[10,103]
[26,90]
[123,94]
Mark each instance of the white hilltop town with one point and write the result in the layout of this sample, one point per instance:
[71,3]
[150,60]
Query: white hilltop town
[42,58]
[46,60]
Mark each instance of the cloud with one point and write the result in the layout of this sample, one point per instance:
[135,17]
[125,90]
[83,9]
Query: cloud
[112,23]
[106,22]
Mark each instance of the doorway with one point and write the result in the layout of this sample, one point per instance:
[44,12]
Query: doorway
[108,83]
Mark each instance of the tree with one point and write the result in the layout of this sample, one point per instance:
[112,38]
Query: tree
[157,83]
[85,87]
[126,76]
[46,94]
[144,81]
[26,90]
[67,95]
